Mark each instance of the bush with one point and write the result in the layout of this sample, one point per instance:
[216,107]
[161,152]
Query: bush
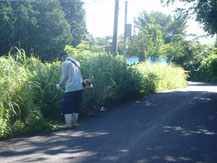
[213,66]
[202,65]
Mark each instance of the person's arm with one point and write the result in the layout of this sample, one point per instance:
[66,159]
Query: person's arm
[64,73]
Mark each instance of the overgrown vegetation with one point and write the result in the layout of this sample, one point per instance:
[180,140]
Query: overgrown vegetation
[201,63]
[163,76]
[18,112]
[30,102]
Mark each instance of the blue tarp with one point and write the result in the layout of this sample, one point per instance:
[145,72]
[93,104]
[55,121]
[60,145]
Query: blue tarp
[159,60]
[135,60]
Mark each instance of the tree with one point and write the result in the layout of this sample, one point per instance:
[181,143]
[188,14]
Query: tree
[171,26]
[205,10]
[216,41]
[7,28]
[178,50]
[75,15]
[38,27]
[147,43]
[52,31]
[99,44]
[41,28]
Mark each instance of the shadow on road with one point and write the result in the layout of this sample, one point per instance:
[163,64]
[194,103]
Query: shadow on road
[190,135]
[177,126]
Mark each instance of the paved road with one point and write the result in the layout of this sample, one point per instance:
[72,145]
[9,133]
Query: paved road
[174,126]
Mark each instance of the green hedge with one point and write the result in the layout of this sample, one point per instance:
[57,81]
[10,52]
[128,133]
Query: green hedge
[29,97]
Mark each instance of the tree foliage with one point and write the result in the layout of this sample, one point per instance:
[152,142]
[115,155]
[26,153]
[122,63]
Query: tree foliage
[179,50]
[41,28]
[205,10]
[216,42]
[75,15]
[102,44]
[148,42]
[52,31]
[171,26]
[202,63]
[7,27]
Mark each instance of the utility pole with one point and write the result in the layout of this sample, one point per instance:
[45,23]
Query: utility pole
[115,31]
[216,40]
[134,26]
[125,30]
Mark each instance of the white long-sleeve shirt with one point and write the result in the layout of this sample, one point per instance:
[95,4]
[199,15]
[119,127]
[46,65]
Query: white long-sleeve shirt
[71,75]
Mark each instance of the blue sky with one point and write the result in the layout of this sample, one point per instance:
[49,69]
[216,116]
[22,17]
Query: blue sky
[100,16]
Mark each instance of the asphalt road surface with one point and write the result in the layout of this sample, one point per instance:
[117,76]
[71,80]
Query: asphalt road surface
[174,126]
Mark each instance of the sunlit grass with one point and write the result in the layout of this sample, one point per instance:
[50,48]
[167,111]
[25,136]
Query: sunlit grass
[164,76]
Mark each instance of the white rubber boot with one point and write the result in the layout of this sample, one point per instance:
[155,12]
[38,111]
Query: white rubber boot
[75,119]
[68,120]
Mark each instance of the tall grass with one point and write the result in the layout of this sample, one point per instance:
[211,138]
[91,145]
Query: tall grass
[46,97]
[17,94]
[163,76]
[114,81]
[15,89]
[29,101]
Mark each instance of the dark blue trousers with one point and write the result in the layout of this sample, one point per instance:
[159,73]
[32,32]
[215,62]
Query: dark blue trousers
[72,98]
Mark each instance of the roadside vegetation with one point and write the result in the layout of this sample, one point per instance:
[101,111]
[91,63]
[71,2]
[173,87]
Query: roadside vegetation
[29,101]
[201,63]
